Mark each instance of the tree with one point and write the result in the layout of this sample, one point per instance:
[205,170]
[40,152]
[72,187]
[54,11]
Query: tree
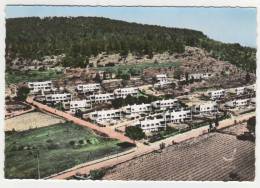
[97,78]
[186,76]
[216,121]
[97,174]
[22,93]
[134,132]
[251,124]
[248,77]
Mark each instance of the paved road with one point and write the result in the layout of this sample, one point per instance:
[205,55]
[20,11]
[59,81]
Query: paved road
[106,130]
[142,149]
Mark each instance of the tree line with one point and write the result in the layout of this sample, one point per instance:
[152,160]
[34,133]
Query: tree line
[81,37]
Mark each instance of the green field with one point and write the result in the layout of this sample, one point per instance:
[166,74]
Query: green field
[139,67]
[13,77]
[61,146]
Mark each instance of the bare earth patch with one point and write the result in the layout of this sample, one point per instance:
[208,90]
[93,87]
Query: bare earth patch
[30,121]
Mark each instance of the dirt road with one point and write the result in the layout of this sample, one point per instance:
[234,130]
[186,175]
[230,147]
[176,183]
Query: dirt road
[111,133]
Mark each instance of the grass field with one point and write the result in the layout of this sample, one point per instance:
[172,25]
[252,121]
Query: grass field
[138,67]
[60,146]
[13,77]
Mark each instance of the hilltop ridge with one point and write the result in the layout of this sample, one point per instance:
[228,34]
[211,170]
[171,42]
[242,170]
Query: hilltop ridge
[80,38]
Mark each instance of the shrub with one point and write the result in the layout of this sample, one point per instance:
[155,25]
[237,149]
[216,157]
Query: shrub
[97,174]
[72,142]
[135,133]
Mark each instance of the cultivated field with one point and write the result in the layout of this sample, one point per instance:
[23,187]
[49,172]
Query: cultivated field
[14,77]
[212,157]
[60,147]
[31,120]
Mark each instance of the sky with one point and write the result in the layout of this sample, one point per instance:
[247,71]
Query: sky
[230,25]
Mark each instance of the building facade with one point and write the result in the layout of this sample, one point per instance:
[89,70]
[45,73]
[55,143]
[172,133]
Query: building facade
[178,116]
[85,88]
[205,108]
[237,103]
[123,92]
[78,105]
[36,87]
[137,109]
[165,104]
[150,124]
[217,94]
[105,115]
[56,98]
[100,98]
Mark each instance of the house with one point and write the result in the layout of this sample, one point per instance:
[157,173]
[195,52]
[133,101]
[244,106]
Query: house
[253,101]
[85,88]
[159,122]
[150,124]
[251,87]
[237,103]
[178,116]
[205,108]
[165,104]
[102,97]
[136,109]
[217,94]
[162,84]
[105,115]
[36,87]
[56,98]
[198,76]
[161,77]
[123,92]
[78,105]
[240,90]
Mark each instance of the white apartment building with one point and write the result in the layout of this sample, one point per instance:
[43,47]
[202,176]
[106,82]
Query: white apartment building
[105,115]
[198,76]
[240,90]
[252,87]
[78,105]
[162,83]
[85,88]
[178,116]
[59,97]
[238,103]
[253,100]
[150,124]
[36,87]
[136,109]
[205,108]
[161,77]
[102,97]
[165,104]
[217,94]
[123,92]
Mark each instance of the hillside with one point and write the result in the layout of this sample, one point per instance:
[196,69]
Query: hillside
[79,38]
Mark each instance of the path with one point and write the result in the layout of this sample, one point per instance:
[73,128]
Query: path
[106,130]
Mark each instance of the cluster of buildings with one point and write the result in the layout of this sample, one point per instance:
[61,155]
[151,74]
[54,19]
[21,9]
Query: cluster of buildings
[240,103]
[156,114]
[93,90]
[150,117]
[221,93]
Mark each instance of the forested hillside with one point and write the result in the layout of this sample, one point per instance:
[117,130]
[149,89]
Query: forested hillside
[81,37]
